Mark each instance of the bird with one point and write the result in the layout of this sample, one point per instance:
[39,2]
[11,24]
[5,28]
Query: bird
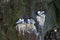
[21,26]
[41,20]
[33,27]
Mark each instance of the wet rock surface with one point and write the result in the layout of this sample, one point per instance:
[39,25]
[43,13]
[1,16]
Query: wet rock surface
[53,34]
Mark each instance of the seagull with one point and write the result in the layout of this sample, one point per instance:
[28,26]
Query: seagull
[41,20]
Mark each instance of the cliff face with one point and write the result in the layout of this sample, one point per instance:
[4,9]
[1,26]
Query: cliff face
[57,5]
[11,10]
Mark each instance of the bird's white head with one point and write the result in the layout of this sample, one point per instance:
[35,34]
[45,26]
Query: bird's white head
[40,13]
[28,21]
[20,21]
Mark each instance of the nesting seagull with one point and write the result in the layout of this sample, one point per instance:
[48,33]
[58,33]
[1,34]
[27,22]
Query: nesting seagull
[33,27]
[21,26]
[41,20]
